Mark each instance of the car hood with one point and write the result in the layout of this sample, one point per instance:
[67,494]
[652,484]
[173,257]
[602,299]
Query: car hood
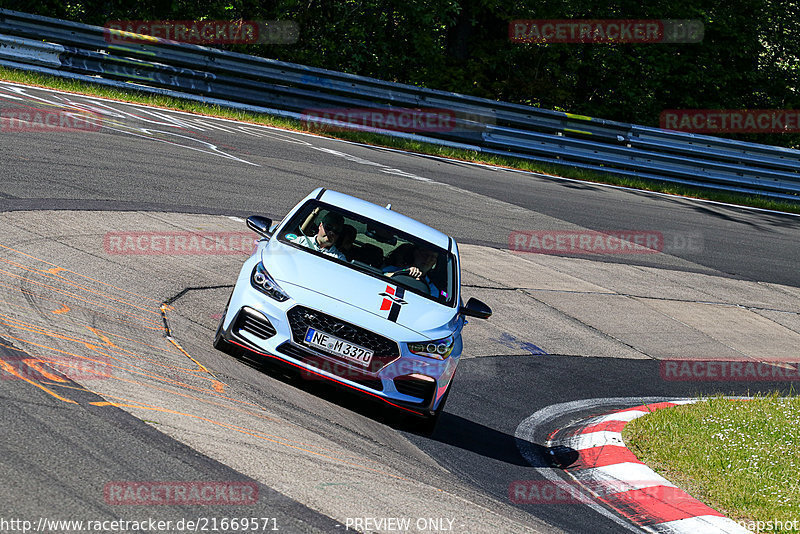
[355,296]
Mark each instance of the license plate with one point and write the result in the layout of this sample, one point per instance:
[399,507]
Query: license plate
[339,347]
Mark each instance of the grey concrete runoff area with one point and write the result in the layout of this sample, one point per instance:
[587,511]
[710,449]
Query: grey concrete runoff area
[70,298]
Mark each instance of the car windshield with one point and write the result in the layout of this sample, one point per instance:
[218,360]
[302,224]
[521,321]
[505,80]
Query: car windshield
[373,248]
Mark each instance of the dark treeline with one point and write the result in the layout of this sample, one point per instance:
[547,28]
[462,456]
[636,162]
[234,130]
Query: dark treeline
[748,58]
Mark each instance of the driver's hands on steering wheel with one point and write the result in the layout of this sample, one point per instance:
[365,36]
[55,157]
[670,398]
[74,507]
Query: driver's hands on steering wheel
[413,272]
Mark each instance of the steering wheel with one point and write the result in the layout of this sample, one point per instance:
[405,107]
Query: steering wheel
[413,283]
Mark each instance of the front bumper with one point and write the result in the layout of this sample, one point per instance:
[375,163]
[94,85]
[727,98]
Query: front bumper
[406,381]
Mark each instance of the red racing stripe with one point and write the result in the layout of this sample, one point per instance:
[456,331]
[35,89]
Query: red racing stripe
[657,504]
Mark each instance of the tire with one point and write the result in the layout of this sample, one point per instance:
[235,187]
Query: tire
[428,425]
[220,343]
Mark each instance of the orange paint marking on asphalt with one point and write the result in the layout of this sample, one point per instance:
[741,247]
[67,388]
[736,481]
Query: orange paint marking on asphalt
[10,369]
[108,344]
[156,325]
[50,333]
[73,295]
[76,297]
[218,385]
[38,367]
[131,369]
[56,362]
[215,382]
[266,437]
[102,336]
[257,415]
[64,309]
[244,411]
[54,272]
[62,269]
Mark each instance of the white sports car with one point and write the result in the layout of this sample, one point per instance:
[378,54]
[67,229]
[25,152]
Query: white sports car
[357,294]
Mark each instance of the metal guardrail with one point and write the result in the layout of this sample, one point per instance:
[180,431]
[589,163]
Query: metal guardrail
[81,51]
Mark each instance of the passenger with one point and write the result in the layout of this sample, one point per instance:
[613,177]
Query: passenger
[328,231]
[346,239]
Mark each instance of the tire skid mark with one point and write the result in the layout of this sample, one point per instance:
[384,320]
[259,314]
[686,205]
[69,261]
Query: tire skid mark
[65,293]
[130,368]
[300,445]
[53,274]
[131,356]
[56,269]
[26,292]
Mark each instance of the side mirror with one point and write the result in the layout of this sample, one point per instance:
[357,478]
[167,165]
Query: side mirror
[476,308]
[260,225]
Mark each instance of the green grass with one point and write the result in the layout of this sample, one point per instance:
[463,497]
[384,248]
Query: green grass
[139,97]
[740,457]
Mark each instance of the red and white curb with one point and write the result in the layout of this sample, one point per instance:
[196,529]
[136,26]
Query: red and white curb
[611,472]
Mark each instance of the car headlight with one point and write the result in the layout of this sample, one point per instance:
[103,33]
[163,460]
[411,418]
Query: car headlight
[439,349]
[261,280]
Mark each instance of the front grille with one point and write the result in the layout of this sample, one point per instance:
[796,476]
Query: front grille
[335,368]
[301,319]
[258,326]
[422,389]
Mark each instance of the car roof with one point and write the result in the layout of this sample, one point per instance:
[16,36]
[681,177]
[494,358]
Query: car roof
[383,215]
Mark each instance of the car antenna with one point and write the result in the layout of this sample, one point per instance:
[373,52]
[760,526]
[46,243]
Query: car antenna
[388,206]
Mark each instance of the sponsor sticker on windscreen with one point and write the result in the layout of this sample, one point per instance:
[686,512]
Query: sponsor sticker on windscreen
[339,347]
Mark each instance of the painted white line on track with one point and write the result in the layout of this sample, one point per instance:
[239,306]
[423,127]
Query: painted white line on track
[622,477]
[593,439]
[285,135]
[627,415]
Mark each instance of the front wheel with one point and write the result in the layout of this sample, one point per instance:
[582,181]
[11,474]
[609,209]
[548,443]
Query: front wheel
[428,425]
[220,343]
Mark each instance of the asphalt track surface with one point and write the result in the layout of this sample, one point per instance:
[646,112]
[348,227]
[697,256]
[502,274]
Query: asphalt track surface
[58,455]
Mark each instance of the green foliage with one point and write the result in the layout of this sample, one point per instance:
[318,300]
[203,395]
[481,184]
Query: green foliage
[749,57]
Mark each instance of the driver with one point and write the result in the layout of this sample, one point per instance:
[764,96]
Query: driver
[330,228]
[423,260]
